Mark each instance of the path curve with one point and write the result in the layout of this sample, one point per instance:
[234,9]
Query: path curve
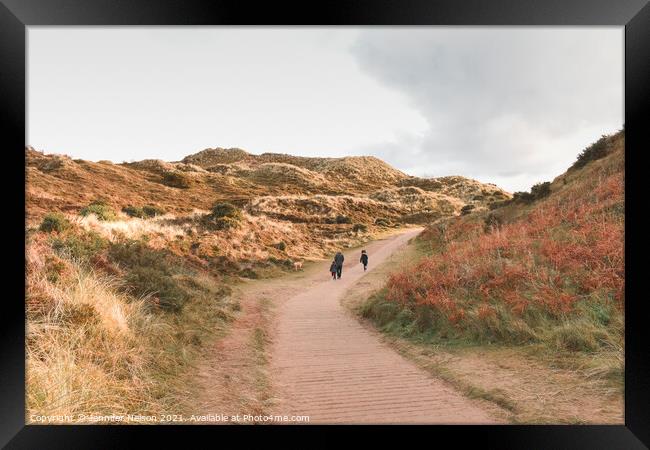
[326,365]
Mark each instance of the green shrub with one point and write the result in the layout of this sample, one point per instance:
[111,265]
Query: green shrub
[343,219]
[280,262]
[144,212]
[54,222]
[133,253]
[221,223]
[597,150]
[177,180]
[359,227]
[80,247]
[152,210]
[537,192]
[142,280]
[382,222]
[541,190]
[523,197]
[99,208]
[248,273]
[467,209]
[224,209]
[223,216]
[133,211]
[280,246]
[149,271]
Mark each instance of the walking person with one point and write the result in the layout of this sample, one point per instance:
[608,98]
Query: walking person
[364,259]
[333,270]
[338,259]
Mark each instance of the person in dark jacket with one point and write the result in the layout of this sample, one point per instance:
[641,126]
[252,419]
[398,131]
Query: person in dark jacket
[364,259]
[338,259]
[333,270]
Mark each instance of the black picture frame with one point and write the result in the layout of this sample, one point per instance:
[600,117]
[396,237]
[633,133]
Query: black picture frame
[16,15]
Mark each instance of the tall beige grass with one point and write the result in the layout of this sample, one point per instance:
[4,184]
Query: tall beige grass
[84,354]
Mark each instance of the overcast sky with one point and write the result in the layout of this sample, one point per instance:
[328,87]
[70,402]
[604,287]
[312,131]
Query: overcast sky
[509,105]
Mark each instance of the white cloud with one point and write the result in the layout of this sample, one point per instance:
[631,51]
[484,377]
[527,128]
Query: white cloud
[509,104]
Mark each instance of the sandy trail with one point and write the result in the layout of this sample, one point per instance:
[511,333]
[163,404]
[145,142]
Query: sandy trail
[326,365]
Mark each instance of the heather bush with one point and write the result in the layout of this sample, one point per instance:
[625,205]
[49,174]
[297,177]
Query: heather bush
[54,222]
[149,272]
[382,222]
[467,209]
[176,179]
[144,212]
[541,190]
[80,247]
[224,209]
[598,150]
[359,227]
[99,208]
[133,211]
[282,246]
[523,197]
[223,216]
[152,210]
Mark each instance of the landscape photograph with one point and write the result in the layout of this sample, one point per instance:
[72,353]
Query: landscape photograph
[325,225]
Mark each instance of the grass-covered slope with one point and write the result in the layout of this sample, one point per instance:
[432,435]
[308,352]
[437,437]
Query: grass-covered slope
[129,266]
[546,268]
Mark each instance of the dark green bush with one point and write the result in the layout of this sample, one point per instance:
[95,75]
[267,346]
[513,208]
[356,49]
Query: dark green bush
[144,212]
[280,246]
[343,219]
[537,192]
[223,216]
[152,210]
[359,227]
[597,150]
[382,222]
[177,180]
[222,223]
[133,253]
[101,209]
[523,197]
[141,280]
[54,222]
[133,211]
[467,209]
[541,190]
[149,271]
[80,247]
[224,209]
[280,262]
[248,273]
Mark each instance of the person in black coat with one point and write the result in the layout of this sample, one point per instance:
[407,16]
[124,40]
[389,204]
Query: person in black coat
[333,270]
[364,259]
[338,259]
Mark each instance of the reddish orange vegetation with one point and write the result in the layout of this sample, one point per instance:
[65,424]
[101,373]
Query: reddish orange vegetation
[542,263]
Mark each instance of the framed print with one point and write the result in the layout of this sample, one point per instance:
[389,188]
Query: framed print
[416,216]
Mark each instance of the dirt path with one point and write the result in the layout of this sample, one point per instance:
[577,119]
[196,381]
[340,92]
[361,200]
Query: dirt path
[326,365]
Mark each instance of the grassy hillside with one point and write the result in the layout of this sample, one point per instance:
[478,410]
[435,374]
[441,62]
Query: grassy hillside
[130,266]
[545,268]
